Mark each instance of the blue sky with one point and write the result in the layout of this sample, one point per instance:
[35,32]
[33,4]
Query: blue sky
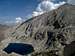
[10,9]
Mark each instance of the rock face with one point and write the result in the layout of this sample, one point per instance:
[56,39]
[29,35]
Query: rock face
[48,33]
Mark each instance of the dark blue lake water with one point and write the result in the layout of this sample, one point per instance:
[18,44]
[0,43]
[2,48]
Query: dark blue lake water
[19,48]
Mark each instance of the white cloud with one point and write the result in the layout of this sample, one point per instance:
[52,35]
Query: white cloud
[71,2]
[19,20]
[46,5]
[13,22]
[9,22]
[59,4]
[35,13]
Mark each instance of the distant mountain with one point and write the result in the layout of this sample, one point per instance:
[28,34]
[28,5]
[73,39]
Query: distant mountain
[3,28]
[48,33]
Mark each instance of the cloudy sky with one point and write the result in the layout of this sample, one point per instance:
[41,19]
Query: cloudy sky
[11,10]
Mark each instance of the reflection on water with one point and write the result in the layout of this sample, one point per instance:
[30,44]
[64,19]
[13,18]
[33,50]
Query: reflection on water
[19,48]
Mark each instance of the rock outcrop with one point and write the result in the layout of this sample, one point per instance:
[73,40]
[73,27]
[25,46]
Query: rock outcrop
[48,33]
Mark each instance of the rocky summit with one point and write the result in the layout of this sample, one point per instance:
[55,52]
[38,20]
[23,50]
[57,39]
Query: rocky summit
[50,34]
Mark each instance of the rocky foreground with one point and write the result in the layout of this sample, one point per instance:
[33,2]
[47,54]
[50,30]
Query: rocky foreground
[51,34]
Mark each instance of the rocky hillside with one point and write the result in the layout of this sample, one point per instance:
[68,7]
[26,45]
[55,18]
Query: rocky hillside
[48,33]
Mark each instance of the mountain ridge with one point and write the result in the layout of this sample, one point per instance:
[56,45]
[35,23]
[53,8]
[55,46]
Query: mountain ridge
[48,33]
